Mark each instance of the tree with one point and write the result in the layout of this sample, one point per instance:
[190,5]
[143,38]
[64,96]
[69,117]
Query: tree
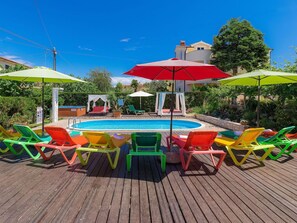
[239,45]
[77,93]
[119,87]
[15,88]
[101,78]
[158,86]
[134,84]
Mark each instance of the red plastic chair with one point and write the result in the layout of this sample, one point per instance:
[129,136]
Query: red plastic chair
[61,141]
[197,142]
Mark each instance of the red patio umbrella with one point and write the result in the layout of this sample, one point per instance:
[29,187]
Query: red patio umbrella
[175,69]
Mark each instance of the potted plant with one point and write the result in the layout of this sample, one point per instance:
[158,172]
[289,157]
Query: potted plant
[116,109]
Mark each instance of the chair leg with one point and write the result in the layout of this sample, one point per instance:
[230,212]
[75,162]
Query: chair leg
[113,164]
[185,164]
[128,161]
[293,148]
[40,149]
[71,161]
[168,143]
[220,162]
[81,159]
[10,147]
[163,163]
[4,150]
[267,153]
[283,151]
[31,154]
[233,157]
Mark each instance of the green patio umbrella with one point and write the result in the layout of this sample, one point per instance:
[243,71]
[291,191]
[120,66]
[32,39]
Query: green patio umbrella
[259,78]
[40,74]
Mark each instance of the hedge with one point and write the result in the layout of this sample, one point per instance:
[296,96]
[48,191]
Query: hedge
[17,110]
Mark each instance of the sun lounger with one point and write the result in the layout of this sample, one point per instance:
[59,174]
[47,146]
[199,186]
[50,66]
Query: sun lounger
[131,109]
[99,110]
[197,142]
[281,141]
[100,142]
[247,141]
[146,144]
[62,142]
[27,138]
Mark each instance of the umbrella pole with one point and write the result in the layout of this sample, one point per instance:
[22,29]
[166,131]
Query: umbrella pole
[42,105]
[171,108]
[140,102]
[258,107]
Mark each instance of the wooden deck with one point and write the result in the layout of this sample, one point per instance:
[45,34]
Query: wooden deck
[37,191]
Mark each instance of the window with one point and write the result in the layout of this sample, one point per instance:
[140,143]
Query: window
[200,48]
[6,66]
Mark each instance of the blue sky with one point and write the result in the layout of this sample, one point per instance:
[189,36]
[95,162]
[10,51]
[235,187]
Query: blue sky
[116,35]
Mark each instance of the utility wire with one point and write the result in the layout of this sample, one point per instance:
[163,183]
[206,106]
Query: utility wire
[26,44]
[63,58]
[43,24]
[100,56]
[24,38]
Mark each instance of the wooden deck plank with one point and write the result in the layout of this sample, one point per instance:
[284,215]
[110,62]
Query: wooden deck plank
[216,197]
[34,191]
[242,199]
[154,203]
[164,205]
[115,208]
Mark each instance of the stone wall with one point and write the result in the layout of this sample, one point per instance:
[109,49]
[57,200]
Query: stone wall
[220,122]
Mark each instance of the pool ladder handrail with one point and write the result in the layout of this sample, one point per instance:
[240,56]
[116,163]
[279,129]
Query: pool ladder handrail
[74,121]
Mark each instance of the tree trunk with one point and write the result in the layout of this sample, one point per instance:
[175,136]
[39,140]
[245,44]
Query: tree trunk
[234,71]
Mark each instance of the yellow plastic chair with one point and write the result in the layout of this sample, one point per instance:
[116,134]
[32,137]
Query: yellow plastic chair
[4,134]
[100,142]
[247,141]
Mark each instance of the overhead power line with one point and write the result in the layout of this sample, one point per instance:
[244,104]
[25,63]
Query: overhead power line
[43,24]
[24,38]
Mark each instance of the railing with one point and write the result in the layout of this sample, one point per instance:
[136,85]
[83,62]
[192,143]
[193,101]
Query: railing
[74,121]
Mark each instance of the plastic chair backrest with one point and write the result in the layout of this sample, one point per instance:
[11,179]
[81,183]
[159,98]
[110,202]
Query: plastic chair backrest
[27,133]
[201,140]
[146,139]
[97,138]
[59,135]
[4,133]
[248,137]
[281,135]
[131,108]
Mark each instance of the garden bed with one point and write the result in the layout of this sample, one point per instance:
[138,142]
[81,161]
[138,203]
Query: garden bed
[220,122]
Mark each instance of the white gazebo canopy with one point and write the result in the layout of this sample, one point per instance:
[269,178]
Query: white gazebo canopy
[93,98]
[180,103]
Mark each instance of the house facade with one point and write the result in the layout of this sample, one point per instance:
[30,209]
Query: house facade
[199,52]
[7,63]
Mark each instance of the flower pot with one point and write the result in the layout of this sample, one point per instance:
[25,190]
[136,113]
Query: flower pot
[117,114]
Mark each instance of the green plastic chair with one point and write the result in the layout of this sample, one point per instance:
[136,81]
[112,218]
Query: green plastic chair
[280,140]
[131,109]
[146,144]
[28,138]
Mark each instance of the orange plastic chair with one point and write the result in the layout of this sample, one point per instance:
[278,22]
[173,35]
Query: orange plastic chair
[61,141]
[197,142]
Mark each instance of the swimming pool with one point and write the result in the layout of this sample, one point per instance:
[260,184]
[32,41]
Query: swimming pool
[158,124]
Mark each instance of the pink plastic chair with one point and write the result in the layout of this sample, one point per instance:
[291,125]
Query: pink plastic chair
[197,142]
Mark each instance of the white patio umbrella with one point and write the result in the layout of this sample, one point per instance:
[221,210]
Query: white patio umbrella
[140,94]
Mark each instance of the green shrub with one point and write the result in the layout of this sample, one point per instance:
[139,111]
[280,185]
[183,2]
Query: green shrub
[17,110]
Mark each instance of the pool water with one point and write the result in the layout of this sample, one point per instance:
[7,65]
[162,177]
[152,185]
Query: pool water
[160,124]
